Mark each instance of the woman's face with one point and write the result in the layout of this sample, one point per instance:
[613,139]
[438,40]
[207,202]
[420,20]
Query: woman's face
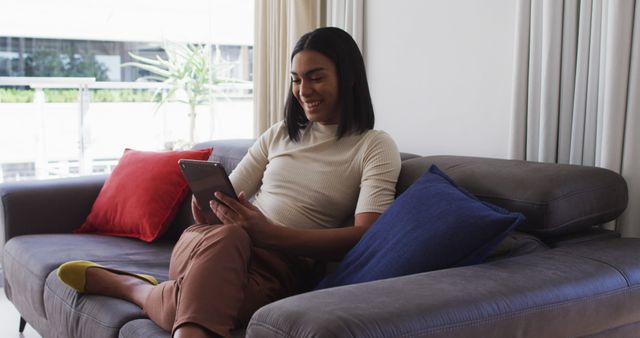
[314,82]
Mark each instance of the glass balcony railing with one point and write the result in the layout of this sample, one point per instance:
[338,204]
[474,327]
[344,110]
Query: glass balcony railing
[61,127]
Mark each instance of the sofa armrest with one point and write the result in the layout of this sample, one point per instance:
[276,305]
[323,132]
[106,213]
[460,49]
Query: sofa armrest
[46,206]
[566,292]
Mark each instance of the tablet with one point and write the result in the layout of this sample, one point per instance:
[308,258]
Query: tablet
[204,179]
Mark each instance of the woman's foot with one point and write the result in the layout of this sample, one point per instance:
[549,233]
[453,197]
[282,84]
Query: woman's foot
[104,282]
[90,277]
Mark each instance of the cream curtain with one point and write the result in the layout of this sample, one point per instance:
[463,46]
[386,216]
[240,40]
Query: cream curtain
[576,86]
[278,25]
[348,15]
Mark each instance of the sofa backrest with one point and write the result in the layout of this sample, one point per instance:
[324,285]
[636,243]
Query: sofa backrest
[557,199]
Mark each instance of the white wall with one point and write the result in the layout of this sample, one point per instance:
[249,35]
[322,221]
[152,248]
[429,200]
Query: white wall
[440,73]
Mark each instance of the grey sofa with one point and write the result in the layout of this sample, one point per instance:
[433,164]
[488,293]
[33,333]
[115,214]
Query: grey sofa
[559,275]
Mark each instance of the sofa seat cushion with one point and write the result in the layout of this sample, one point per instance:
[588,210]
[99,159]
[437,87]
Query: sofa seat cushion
[29,260]
[567,292]
[145,328]
[142,328]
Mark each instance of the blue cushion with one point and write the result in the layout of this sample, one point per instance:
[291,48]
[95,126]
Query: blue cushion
[433,225]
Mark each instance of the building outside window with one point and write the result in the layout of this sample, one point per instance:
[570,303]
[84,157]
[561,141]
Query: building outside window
[68,107]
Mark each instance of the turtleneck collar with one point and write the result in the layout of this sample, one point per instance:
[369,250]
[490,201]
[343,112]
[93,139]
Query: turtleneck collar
[324,129]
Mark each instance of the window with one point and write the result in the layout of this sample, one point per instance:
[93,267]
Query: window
[69,107]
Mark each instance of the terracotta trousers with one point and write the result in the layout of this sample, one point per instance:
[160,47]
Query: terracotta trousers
[218,280]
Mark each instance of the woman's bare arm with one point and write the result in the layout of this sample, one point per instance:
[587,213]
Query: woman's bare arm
[327,244]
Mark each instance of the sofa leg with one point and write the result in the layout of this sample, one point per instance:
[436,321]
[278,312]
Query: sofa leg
[23,323]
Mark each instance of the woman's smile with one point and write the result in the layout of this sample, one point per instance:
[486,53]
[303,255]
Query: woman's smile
[311,106]
[314,83]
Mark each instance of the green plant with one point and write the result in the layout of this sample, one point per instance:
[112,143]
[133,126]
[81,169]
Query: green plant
[188,73]
[10,95]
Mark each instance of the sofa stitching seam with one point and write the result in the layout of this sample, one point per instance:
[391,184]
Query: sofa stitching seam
[518,313]
[271,328]
[72,309]
[14,258]
[593,189]
[602,262]
[8,254]
[563,196]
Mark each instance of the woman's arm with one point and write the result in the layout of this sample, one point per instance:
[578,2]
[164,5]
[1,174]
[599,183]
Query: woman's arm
[247,175]
[326,244]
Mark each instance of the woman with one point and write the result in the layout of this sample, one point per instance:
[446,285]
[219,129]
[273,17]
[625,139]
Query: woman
[321,168]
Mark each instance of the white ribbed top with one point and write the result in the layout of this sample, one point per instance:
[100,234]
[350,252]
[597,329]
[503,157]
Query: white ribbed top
[319,182]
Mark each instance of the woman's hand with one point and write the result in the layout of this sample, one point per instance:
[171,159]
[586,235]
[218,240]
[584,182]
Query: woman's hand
[245,214]
[197,213]
[325,244]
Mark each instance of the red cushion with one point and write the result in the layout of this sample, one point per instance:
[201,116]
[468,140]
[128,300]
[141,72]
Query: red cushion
[142,195]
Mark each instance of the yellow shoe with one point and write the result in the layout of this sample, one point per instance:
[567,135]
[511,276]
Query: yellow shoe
[74,274]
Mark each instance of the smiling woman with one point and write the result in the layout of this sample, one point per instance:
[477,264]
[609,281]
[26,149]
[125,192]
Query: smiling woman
[300,210]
